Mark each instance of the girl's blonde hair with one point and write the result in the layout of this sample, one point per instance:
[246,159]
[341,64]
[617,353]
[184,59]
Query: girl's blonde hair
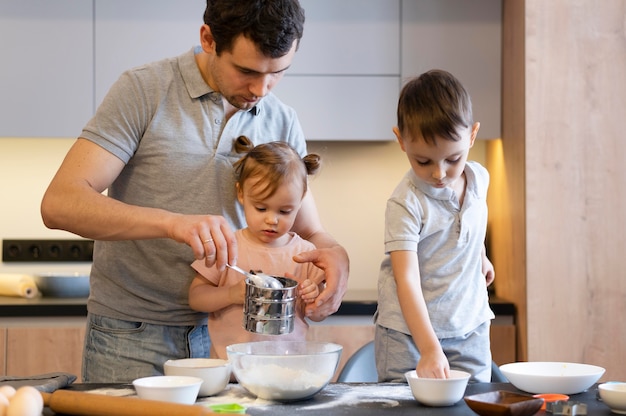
[275,162]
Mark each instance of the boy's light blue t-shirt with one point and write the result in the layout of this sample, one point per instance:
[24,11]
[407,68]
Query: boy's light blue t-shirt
[449,240]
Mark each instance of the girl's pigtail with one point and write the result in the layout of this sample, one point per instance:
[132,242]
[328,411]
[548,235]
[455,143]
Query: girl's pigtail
[243,144]
[312,162]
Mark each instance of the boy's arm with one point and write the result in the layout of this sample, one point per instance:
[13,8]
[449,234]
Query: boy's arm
[487,267]
[204,296]
[433,362]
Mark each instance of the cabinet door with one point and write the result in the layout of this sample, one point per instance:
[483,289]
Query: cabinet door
[349,37]
[463,37]
[133,33]
[40,350]
[345,78]
[503,343]
[342,108]
[3,351]
[46,76]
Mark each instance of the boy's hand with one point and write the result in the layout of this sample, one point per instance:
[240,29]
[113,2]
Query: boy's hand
[433,365]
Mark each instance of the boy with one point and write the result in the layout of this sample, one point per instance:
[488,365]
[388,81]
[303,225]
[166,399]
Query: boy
[433,311]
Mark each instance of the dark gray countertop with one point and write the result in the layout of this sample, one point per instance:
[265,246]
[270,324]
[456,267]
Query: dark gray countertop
[356,302]
[396,399]
[349,399]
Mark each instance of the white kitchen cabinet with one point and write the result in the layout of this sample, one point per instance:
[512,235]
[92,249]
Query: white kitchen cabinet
[132,33]
[342,108]
[464,38]
[345,78]
[349,37]
[60,58]
[46,76]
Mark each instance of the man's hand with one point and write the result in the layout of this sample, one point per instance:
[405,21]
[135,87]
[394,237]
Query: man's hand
[209,236]
[336,266]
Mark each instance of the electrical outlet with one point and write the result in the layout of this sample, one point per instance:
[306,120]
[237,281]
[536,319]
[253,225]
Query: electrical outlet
[47,250]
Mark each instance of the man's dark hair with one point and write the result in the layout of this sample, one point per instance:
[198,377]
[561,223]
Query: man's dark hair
[272,25]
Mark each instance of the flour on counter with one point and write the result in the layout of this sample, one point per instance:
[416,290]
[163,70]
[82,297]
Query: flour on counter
[234,393]
[332,396]
[362,395]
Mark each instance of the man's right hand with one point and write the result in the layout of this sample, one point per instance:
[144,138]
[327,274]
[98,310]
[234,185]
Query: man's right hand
[209,236]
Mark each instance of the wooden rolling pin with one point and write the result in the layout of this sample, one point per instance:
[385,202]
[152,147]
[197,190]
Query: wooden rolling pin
[91,404]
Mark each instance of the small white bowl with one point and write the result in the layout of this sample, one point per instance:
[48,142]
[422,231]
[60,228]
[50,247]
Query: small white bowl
[551,377]
[614,395]
[215,373]
[438,391]
[175,389]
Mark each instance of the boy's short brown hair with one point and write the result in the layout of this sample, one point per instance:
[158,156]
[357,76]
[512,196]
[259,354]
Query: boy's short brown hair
[434,104]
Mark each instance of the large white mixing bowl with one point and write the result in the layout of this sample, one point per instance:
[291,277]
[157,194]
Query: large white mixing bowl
[552,377]
[284,370]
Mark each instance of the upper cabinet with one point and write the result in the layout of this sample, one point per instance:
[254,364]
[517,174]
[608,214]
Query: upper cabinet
[133,33]
[345,77]
[464,38]
[46,76]
[60,59]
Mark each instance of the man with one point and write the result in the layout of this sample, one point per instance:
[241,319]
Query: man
[161,143]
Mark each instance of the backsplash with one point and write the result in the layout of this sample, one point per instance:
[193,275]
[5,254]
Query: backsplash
[355,217]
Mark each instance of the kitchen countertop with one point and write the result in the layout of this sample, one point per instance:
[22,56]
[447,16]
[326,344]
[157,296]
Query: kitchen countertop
[355,302]
[363,399]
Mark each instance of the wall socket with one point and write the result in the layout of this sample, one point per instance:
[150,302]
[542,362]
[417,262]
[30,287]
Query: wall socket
[47,250]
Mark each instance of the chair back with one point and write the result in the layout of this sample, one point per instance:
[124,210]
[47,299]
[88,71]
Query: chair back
[360,367]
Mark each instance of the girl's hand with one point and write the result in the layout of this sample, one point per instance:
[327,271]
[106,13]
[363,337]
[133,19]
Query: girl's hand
[237,293]
[308,291]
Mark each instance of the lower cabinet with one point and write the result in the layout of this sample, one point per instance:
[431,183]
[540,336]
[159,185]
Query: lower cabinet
[3,351]
[503,343]
[39,349]
[35,349]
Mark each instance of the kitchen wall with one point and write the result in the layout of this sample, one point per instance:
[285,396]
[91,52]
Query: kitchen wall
[351,190]
[358,175]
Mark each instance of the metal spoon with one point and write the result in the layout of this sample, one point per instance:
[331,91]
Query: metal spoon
[259,279]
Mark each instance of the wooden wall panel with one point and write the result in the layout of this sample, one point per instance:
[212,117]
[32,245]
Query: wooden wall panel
[506,164]
[571,223]
[576,186]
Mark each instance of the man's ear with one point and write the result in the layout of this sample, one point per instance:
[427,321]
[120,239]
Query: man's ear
[206,39]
